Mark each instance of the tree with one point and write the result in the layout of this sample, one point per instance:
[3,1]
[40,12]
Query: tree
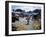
[29,14]
[37,11]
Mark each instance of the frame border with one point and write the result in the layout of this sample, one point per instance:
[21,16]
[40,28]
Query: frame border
[7,17]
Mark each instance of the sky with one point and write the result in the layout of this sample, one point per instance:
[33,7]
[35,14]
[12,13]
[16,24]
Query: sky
[26,8]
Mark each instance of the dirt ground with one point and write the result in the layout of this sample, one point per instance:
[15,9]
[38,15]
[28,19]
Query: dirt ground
[22,26]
